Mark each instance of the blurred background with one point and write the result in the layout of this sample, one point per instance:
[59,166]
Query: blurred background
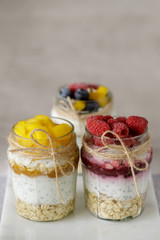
[45,44]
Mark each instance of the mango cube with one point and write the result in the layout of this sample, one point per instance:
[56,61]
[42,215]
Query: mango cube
[61,130]
[20,129]
[101,92]
[79,105]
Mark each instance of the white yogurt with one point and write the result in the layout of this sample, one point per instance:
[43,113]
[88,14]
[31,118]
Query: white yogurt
[28,162]
[116,187]
[43,189]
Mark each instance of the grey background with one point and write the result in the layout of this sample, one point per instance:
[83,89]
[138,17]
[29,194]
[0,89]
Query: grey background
[45,44]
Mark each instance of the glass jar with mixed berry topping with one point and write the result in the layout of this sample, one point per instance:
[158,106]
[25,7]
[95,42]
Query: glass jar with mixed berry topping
[116,156]
[86,99]
[43,156]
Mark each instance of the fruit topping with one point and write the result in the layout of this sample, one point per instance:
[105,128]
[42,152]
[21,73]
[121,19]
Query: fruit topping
[121,119]
[107,117]
[137,124]
[101,92]
[79,105]
[111,121]
[65,92]
[128,129]
[95,86]
[93,118]
[74,86]
[92,106]
[121,129]
[24,128]
[95,96]
[61,130]
[97,127]
[81,94]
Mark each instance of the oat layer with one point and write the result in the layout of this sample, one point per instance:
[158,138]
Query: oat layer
[44,212]
[106,207]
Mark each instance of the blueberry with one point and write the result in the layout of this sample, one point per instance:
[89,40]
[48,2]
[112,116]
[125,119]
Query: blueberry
[81,94]
[92,106]
[65,92]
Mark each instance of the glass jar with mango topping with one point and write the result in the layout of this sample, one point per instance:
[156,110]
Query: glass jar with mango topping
[43,156]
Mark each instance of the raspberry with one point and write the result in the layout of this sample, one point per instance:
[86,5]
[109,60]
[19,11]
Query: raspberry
[98,142]
[92,118]
[130,142]
[111,121]
[121,129]
[92,86]
[121,119]
[137,124]
[107,117]
[81,94]
[75,86]
[97,127]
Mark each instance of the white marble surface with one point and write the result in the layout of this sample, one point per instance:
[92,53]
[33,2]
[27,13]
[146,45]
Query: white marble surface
[80,224]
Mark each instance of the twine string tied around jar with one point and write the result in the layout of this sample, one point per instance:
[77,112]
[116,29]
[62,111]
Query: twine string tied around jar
[67,109]
[121,153]
[42,152]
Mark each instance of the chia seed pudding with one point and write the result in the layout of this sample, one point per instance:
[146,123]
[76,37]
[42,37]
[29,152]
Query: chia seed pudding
[44,189]
[110,191]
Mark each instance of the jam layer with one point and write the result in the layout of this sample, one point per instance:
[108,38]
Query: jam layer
[103,168]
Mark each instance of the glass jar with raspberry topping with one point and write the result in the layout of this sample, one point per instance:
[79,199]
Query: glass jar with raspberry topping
[116,169]
[43,156]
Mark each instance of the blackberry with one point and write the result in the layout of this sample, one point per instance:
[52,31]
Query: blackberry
[92,106]
[65,92]
[81,94]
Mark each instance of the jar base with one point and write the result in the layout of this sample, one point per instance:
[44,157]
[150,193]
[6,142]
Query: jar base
[44,212]
[107,208]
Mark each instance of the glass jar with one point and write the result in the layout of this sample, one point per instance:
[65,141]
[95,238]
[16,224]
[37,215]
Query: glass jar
[103,106]
[44,192]
[109,185]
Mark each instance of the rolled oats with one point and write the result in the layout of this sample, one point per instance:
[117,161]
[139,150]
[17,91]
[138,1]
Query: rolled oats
[43,212]
[107,208]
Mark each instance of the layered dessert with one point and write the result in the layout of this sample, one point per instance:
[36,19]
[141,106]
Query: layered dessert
[115,188]
[43,156]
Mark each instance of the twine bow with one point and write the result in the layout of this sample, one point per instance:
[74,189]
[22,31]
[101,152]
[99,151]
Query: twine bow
[67,109]
[122,153]
[42,152]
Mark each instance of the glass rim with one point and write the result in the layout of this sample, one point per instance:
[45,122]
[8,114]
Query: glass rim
[25,138]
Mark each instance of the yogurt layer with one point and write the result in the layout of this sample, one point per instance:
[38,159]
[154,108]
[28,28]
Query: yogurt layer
[28,162]
[43,189]
[116,187]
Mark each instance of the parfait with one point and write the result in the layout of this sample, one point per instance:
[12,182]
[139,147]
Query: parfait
[116,155]
[43,156]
